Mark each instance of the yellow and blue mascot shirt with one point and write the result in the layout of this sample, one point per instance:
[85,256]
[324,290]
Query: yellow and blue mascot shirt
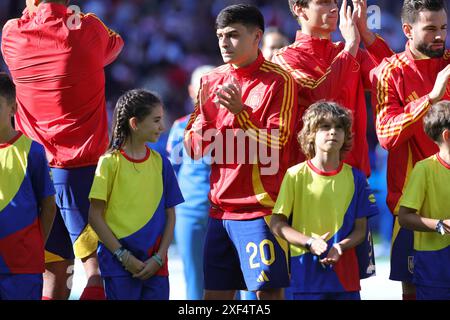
[428,192]
[24,181]
[317,202]
[136,193]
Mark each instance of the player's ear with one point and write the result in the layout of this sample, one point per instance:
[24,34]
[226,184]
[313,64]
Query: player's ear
[299,11]
[258,35]
[407,30]
[446,135]
[132,122]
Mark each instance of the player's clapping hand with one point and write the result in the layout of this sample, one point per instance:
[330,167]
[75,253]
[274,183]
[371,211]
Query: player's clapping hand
[360,10]
[319,245]
[229,95]
[349,31]
[440,86]
[208,114]
[150,268]
[333,255]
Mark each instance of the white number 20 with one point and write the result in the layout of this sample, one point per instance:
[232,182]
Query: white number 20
[252,248]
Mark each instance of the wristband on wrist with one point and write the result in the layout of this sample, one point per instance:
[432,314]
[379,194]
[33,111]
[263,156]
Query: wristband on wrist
[440,227]
[309,243]
[158,259]
[120,253]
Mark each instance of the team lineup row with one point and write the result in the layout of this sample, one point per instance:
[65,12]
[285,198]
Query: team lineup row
[311,93]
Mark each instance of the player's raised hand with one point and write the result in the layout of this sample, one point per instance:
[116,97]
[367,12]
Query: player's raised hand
[440,86]
[360,9]
[207,110]
[349,30]
[229,95]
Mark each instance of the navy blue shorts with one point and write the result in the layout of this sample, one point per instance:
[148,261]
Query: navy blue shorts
[71,235]
[244,254]
[402,254]
[129,288]
[432,293]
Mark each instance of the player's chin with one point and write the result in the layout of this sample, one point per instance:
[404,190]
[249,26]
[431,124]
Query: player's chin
[227,59]
[436,53]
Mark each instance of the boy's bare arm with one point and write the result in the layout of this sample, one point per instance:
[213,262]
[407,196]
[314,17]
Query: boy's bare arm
[280,228]
[353,239]
[410,219]
[47,216]
[356,236]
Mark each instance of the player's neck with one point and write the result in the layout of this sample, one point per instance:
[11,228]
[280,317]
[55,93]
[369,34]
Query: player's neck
[135,149]
[326,161]
[444,153]
[247,62]
[7,134]
[315,32]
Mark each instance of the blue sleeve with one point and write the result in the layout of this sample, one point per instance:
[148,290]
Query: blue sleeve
[175,144]
[366,203]
[172,192]
[366,207]
[40,172]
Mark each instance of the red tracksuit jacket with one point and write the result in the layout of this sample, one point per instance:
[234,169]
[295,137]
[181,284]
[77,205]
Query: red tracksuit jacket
[241,191]
[400,93]
[60,82]
[324,71]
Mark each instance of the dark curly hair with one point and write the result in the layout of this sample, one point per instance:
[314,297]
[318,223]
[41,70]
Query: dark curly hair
[314,116]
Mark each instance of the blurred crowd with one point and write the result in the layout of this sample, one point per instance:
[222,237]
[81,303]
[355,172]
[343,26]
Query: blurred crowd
[166,40]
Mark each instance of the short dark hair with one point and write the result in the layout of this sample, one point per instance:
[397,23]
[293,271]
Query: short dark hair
[7,88]
[245,14]
[301,3]
[437,120]
[412,8]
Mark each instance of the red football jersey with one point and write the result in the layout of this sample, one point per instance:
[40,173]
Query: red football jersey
[60,81]
[325,71]
[240,190]
[401,85]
